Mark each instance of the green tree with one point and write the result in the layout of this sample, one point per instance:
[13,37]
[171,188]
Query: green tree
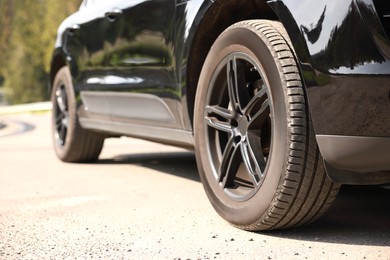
[26,46]
[56,12]
[5,32]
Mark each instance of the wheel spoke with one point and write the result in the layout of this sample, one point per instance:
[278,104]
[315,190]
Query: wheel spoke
[218,125]
[62,114]
[254,145]
[256,102]
[250,164]
[62,101]
[219,111]
[59,119]
[238,93]
[256,122]
[230,164]
[62,134]
[232,82]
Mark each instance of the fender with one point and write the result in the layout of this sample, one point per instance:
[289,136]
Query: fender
[343,51]
[323,31]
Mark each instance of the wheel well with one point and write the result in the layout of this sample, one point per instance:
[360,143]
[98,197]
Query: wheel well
[57,63]
[221,15]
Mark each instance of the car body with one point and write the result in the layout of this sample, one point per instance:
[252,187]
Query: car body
[136,68]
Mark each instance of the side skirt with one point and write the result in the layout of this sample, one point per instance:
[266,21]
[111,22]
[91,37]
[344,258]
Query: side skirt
[169,136]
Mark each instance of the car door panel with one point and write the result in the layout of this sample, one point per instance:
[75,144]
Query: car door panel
[126,51]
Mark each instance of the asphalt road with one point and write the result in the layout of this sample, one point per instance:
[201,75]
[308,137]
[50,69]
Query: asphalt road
[144,201]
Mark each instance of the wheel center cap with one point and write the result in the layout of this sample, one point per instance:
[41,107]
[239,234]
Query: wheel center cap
[242,127]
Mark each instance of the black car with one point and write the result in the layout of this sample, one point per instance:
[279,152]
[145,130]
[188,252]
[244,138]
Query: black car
[282,100]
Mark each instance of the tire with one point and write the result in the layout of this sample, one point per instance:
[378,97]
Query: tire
[255,147]
[71,142]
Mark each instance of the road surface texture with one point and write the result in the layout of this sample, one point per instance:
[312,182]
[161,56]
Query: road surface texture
[144,201]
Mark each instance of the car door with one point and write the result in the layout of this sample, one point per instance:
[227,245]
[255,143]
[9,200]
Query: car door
[128,65]
[84,44]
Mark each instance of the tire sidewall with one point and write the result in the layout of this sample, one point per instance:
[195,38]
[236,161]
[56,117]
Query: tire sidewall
[244,40]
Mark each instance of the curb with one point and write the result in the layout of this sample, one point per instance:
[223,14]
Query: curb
[24,108]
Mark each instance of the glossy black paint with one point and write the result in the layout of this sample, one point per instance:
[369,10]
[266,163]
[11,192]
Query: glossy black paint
[131,52]
[153,50]
[373,16]
[345,71]
[118,50]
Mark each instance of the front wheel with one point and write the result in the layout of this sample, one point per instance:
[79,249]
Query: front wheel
[255,147]
[71,142]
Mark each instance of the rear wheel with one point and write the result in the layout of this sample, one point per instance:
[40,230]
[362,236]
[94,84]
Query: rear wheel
[71,142]
[255,147]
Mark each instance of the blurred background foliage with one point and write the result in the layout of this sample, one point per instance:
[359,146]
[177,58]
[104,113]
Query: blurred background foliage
[27,35]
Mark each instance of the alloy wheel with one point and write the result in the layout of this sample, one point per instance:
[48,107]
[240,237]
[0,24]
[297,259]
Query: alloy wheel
[238,125]
[61,115]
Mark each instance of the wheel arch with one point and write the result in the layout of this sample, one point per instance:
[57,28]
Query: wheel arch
[58,61]
[219,16]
